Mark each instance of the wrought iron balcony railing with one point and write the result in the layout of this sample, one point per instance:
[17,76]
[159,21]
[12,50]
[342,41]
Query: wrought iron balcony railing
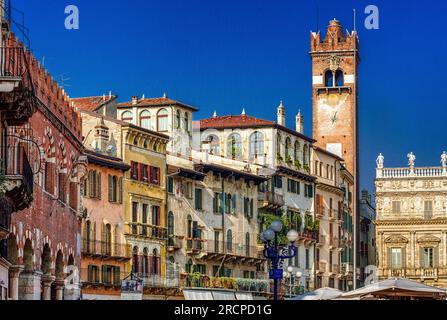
[107,249]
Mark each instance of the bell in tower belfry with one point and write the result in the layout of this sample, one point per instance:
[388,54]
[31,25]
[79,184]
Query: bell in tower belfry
[335,60]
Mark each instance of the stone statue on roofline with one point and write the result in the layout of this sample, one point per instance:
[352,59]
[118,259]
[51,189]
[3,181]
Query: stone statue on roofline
[444,159]
[411,159]
[379,161]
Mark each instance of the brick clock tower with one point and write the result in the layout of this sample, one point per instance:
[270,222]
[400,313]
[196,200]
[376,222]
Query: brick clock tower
[334,100]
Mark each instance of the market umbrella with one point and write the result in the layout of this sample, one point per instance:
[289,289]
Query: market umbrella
[397,287]
[320,294]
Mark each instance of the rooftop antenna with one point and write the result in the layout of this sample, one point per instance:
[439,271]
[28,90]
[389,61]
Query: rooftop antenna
[355,27]
[318,15]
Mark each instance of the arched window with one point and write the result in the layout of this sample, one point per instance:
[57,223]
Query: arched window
[145,270]
[155,262]
[305,155]
[188,266]
[339,82]
[278,145]
[186,122]
[127,116]
[247,244]
[288,146]
[177,119]
[170,223]
[329,79]
[296,151]
[145,119]
[135,260]
[213,140]
[234,146]
[229,241]
[189,227]
[162,120]
[256,144]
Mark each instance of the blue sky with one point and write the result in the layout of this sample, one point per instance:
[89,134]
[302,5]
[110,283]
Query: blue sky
[225,55]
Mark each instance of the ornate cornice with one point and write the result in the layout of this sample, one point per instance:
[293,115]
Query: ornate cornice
[402,222]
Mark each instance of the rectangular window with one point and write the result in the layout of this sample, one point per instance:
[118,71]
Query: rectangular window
[198,199]
[134,170]
[216,203]
[145,173]
[73,195]
[428,209]
[277,182]
[428,258]
[62,193]
[307,259]
[155,175]
[396,258]
[396,207]
[134,217]
[233,204]
[145,218]
[171,185]
[216,241]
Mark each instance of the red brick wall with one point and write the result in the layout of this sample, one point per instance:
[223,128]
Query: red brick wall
[56,128]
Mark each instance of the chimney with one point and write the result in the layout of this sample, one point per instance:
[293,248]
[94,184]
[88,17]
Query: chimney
[281,115]
[299,123]
[134,100]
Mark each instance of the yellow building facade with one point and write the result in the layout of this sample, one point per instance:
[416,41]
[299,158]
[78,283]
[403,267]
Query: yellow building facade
[144,194]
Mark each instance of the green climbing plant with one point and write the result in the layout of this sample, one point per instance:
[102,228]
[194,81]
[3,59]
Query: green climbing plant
[297,164]
[267,220]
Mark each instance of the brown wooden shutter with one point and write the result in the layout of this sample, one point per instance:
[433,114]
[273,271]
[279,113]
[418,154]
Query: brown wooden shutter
[110,187]
[120,190]
[98,185]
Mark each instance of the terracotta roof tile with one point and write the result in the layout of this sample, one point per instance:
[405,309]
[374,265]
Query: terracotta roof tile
[91,103]
[156,102]
[241,121]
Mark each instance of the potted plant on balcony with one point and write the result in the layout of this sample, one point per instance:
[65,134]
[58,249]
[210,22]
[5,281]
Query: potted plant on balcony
[297,164]
[279,158]
[289,160]
[306,168]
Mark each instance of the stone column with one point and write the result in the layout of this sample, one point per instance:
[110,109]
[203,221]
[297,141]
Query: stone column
[47,280]
[59,284]
[14,273]
[412,248]
[30,285]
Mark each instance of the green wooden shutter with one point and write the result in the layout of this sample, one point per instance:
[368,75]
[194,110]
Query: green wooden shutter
[117,276]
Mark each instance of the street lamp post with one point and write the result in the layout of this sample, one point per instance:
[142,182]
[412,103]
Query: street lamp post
[277,254]
[292,278]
